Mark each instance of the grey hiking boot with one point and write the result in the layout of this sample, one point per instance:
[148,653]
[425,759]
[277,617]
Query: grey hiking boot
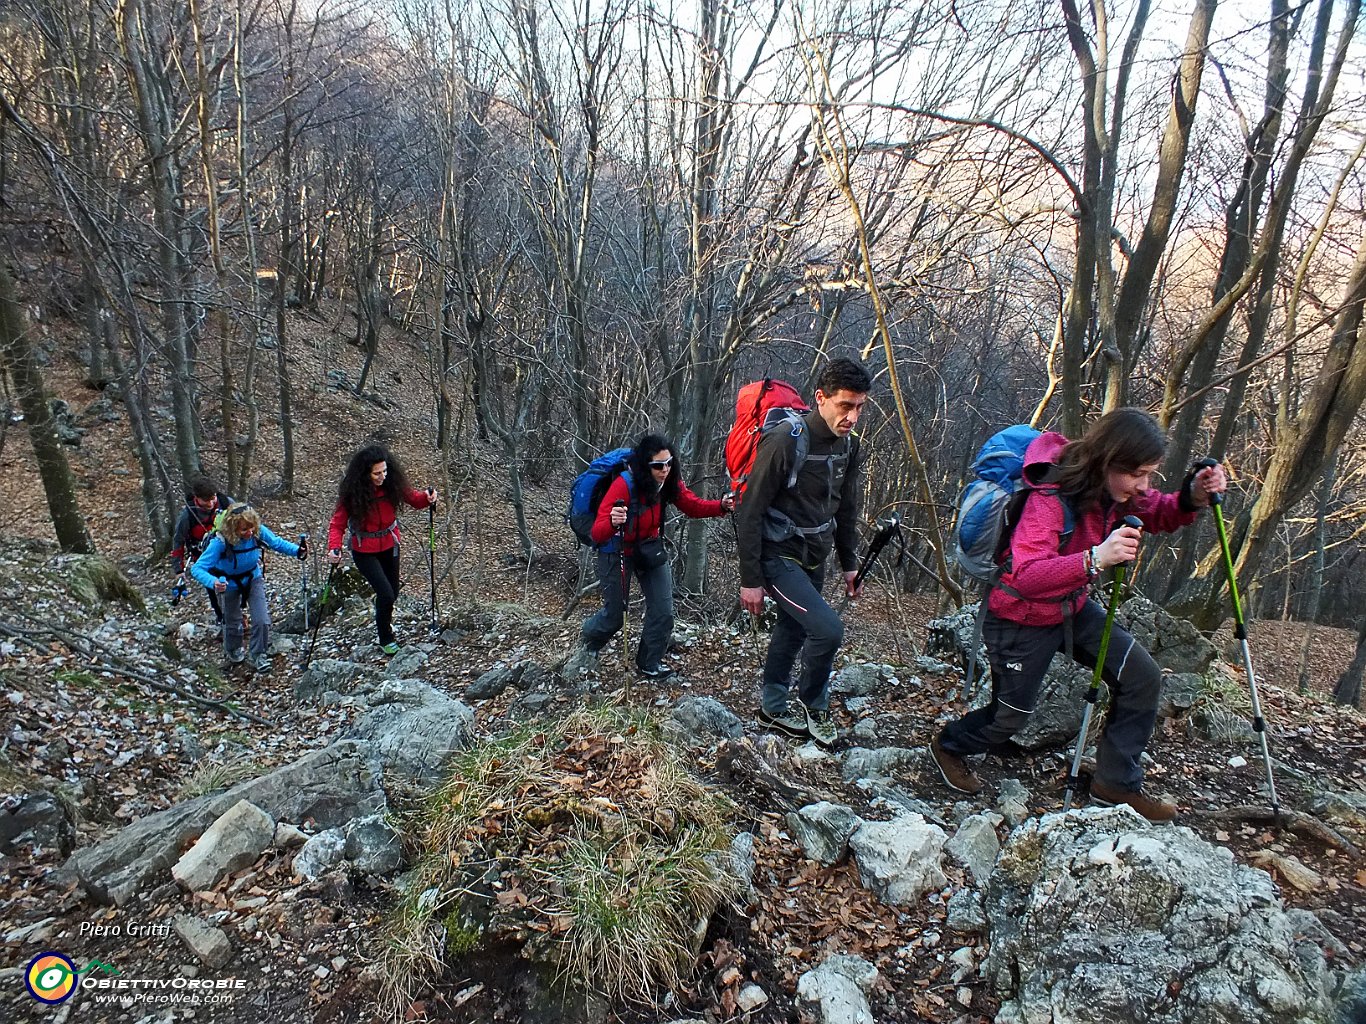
[238,656]
[957,774]
[261,663]
[821,726]
[789,720]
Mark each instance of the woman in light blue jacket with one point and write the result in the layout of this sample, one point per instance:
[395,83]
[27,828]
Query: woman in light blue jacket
[232,562]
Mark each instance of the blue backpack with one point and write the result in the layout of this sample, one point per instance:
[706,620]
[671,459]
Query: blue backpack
[990,507]
[586,493]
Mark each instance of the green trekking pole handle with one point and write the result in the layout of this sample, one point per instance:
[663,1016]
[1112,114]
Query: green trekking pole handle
[1240,633]
[1093,693]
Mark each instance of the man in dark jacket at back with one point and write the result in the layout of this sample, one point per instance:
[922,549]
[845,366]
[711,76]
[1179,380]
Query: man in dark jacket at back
[203,502]
[785,537]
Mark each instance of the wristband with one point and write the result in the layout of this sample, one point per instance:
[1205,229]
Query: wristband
[1092,563]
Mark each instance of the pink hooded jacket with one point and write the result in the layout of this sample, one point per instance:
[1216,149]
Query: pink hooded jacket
[1040,574]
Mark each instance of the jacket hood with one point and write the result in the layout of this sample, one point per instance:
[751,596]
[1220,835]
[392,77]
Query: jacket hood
[1041,456]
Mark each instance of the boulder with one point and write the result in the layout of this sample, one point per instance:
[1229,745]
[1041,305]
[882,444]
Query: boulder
[899,859]
[327,674]
[965,913]
[414,727]
[858,680]
[495,681]
[823,830]
[839,987]
[878,762]
[372,847]
[38,821]
[406,664]
[231,843]
[321,853]
[702,721]
[1098,916]
[329,786]
[975,846]
[205,941]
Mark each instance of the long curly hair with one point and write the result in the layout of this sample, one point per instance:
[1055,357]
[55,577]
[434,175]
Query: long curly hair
[1123,439]
[644,491]
[357,493]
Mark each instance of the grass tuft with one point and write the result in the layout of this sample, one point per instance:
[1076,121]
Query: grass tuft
[586,839]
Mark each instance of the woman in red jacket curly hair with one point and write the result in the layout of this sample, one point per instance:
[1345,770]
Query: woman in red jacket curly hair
[367,507]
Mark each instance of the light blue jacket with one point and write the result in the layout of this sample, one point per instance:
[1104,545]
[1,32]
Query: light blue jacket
[238,563]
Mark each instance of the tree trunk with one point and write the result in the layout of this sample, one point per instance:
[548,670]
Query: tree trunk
[58,483]
[1347,690]
[1310,615]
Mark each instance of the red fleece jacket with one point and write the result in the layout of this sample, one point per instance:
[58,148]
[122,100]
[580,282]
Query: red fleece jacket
[382,516]
[643,521]
[1042,575]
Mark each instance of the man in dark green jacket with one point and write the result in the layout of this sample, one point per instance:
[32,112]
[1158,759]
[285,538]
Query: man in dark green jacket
[785,536]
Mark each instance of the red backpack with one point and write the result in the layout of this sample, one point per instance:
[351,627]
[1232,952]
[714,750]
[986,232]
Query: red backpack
[760,407]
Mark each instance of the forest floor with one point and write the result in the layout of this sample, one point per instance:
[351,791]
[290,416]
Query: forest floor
[121,741]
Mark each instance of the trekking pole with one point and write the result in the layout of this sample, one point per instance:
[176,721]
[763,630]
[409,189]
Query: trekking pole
[303,577]
[625,595]
[1092,694]
[887,529]
[431,564]
[322,606]
[1240,631]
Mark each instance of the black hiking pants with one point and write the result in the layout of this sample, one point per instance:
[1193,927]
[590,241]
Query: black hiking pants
[1020,656]
[380,570]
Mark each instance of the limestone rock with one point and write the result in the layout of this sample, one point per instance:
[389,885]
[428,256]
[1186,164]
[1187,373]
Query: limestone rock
[823,830]
[205,941]
[899,859]
[1098,916]
[321,853]
[975,846]
[324,674]
[231,843]
[330,786]
[839,987]
[414,727]
[702,720]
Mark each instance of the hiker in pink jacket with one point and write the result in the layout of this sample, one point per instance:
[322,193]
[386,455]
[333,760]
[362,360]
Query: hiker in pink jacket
[1043,595]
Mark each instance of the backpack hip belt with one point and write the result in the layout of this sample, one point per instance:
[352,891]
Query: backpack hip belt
[778,526]
[369,534]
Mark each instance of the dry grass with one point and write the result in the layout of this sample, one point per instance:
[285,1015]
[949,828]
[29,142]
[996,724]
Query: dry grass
[587,837]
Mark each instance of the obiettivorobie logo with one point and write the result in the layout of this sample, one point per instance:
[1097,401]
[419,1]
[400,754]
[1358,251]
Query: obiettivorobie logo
[51,977]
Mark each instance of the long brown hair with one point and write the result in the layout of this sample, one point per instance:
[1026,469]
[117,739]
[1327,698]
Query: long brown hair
[1122,439]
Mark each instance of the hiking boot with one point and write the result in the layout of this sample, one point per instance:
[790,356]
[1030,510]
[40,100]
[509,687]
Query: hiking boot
[957,775]
[821,726]
[238,656]
[1150,807]
[788,721]
[261,663]
[390,648]
[658,674]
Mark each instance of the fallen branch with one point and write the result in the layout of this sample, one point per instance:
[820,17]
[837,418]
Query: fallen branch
[101,659]
[1294,821]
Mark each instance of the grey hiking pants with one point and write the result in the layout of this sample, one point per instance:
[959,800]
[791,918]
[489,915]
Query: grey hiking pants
[807,626]
[1020,656]
[260,619]
[614,581]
